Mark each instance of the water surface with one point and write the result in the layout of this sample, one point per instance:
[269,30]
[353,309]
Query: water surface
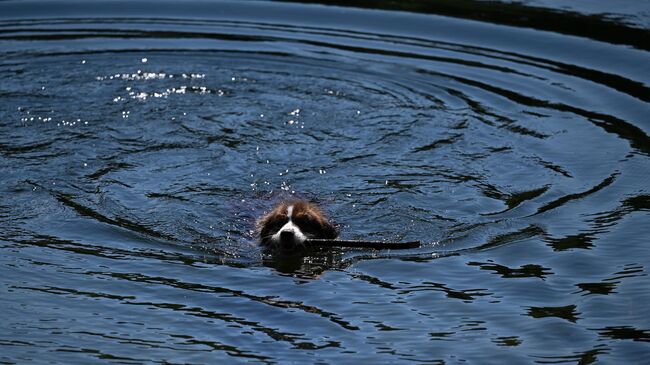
[140,141]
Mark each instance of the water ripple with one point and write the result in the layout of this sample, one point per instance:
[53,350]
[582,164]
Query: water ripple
[139,144]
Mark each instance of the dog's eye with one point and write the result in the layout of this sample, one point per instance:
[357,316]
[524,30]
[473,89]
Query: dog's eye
[306,222]
[279,222]
[274,225]
[300,220]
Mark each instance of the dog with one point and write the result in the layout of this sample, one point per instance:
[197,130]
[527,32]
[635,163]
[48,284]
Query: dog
[291,223]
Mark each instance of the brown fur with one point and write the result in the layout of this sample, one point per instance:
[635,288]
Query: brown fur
[308,217]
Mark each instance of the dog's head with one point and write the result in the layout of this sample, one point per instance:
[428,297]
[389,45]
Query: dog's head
[289,224]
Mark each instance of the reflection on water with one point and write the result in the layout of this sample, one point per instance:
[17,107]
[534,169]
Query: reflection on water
[139,145]
[625,23]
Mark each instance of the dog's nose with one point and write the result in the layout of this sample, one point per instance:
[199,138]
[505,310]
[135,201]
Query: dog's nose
[286,236]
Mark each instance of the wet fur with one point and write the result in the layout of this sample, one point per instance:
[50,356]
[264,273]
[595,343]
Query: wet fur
[306,217]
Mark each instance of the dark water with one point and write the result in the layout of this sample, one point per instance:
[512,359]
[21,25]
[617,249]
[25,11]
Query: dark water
[139,141]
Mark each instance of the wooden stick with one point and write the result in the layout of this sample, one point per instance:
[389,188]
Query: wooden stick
[362,244]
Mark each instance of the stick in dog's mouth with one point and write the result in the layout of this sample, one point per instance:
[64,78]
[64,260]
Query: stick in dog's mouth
[378,245]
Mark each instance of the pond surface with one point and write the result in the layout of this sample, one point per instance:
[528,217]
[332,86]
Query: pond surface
[139,142]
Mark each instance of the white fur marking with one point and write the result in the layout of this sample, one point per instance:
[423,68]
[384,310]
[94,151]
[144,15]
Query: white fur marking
[299,237]
[290,212]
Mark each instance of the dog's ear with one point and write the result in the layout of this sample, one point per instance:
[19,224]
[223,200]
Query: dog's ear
[330,231]
[271,222]
[327,229]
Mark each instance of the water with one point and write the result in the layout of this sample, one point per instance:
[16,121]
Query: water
[140,141]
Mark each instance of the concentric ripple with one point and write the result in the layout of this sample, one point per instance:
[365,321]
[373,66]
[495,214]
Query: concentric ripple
[144,143]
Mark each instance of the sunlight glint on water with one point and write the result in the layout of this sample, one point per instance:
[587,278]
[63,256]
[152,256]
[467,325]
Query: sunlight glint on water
[139,144]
